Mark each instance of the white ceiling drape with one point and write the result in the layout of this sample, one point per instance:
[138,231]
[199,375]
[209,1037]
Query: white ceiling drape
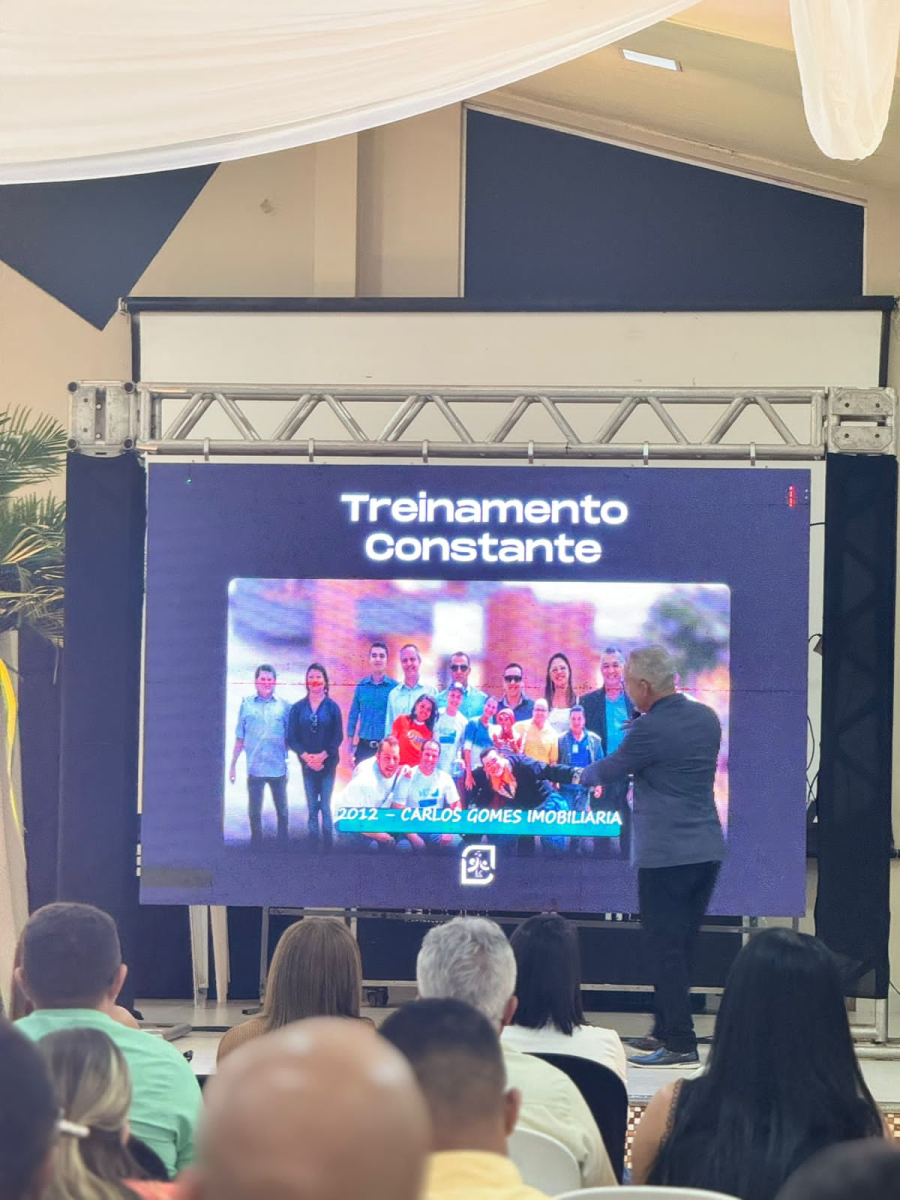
[847,54]
[93,88]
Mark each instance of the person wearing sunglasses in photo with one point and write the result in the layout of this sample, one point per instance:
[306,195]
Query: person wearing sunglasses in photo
[474,699]
[514,692]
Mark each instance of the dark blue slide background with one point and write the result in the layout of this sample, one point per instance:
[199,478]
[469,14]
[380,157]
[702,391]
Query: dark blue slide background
[208,524]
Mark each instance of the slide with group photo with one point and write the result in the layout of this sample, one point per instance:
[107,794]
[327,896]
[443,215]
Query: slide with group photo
[377,686]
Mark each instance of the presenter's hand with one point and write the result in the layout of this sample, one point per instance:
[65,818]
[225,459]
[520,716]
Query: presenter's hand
[598,792]
[470,781]
[416,842]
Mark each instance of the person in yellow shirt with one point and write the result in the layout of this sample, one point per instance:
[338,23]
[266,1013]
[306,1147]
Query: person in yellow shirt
[456,1058]
[538,737]
[469,959]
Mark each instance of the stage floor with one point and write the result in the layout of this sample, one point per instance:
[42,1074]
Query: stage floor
[210,1020]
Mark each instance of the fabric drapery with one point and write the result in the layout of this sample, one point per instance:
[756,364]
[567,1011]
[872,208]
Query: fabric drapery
[847,55]
[92,88]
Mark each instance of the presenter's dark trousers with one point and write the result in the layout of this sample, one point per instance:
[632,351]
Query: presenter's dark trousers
[256,786]
[673,903]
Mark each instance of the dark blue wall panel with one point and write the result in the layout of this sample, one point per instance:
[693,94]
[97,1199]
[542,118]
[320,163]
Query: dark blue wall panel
[89,241]
[554,218]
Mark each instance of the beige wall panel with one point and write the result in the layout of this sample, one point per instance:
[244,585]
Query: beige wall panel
[44,345]
[409,198]
[250,232]
[335,197]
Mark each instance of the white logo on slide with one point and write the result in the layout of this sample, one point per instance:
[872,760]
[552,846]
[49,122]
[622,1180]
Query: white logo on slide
[477,866]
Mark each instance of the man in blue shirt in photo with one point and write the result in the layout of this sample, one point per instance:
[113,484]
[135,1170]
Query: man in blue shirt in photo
[368,709]
[403,696]
[608,712]
[578,747]
[262,735]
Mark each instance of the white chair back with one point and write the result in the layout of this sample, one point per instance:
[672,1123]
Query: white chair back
[543,1162]
[641,1193]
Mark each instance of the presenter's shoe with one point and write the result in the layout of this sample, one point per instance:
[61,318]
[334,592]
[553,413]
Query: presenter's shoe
[646,1045]
[667,1058]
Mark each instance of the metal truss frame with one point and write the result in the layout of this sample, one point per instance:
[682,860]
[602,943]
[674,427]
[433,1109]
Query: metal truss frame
[111,418]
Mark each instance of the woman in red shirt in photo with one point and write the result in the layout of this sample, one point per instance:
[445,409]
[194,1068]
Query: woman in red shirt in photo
[414,731]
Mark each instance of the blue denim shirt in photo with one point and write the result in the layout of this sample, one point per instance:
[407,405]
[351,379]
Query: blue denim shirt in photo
[262,727]
[368,708]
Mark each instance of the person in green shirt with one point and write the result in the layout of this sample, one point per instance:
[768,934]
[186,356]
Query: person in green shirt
[72,971]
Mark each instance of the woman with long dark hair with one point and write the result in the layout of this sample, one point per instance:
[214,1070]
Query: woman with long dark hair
[315,733]
[549,1018]
[315,972]
[559,692]
[95,1160]
[782,1083]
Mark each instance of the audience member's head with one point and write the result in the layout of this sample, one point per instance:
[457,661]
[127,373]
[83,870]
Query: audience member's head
[71,958]
[783,1080]
[93,1090]
[320,1110]
[548,974]
[315,972]
[455,1054]
[469,959]
[28,1116]
[860,1170]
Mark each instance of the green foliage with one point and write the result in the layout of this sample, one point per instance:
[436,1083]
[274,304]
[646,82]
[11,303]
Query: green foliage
[693,626]
[31,450]
[32,528]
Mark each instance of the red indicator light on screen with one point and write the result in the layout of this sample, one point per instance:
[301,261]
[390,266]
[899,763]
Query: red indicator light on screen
[792,497]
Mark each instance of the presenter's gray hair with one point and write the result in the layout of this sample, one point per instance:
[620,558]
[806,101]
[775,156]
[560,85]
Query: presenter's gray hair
[470,959]
[655,665]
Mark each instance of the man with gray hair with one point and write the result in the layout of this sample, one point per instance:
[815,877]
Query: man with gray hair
[672,751]
[470,959]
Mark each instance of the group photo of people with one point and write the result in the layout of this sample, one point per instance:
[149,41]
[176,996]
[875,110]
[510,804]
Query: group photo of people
[367,695]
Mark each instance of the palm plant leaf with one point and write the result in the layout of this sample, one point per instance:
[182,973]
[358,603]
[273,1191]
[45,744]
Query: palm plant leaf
[32,566]
[32,528]
[31,450]
[32,531]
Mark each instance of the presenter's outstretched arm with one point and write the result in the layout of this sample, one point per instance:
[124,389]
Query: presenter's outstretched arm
[638,751]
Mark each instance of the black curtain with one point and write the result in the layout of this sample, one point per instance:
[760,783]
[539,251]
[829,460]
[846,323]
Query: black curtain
[854,793]
[40,694]
[98,819]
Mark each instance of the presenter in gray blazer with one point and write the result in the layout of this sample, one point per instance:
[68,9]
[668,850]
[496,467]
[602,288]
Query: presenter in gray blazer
[671,751]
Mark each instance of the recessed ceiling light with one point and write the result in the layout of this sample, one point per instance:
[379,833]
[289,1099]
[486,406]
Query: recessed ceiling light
[651,60]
